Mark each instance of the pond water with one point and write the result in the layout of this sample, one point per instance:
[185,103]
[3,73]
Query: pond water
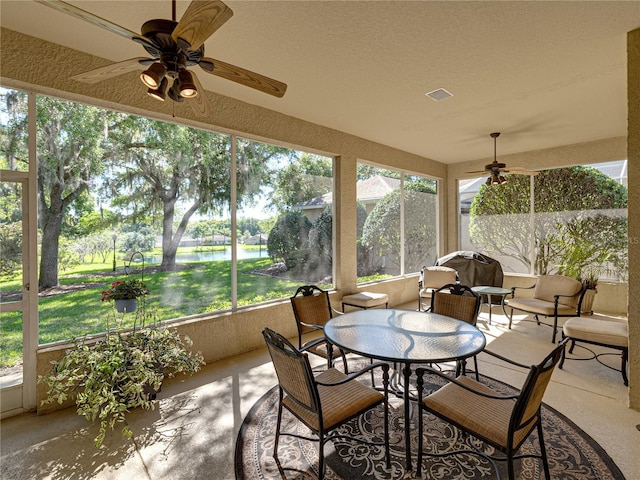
[210,256]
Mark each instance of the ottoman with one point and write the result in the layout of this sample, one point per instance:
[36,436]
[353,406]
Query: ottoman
[365,300]
[606,333]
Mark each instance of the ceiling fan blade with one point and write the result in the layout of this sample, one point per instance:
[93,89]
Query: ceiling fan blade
[520,171]
[89,17]
[245,77]
[200,104]
[113,70]
[199,22]
[479,172]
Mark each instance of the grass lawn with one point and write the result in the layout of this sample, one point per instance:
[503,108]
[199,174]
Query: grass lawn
[78,309]
[75,308]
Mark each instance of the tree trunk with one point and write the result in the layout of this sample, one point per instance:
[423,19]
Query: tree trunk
[169,247]
[170,242]
[49,250]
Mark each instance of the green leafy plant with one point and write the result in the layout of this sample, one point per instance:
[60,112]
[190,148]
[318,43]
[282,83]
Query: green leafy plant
[125,289]
[590,275]
[119,372]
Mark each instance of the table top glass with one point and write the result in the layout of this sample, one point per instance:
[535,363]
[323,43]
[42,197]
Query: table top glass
[405,336]
[487,290]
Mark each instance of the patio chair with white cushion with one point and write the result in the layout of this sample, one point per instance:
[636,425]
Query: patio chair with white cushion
[553,296]
[431,279]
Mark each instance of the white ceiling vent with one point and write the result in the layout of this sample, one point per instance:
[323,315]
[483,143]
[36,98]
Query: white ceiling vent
[439,94]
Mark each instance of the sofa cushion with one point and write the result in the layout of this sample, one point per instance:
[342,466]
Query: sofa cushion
[540,307]
[548,286]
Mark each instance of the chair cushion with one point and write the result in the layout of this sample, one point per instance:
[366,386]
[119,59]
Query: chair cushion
[486,417]
[319,349]
[606,332]
[540,307]
[549,285]
[366,299]
[438,276]
[338,402]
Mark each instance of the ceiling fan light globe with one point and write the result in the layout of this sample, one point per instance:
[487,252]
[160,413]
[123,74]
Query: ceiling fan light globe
[159,93]
[152,77]
[186,85]
[174,92]
[502,179]
[188,92]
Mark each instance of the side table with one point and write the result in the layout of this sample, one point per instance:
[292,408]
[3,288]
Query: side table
[492,292]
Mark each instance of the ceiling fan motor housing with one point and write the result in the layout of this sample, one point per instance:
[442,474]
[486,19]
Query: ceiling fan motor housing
[159,32]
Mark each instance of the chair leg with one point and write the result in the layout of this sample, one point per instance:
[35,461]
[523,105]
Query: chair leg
[278,424]
[387,448]
[543,451]
[510,319]
[344,362]
[562,358]
[510,468]
[625,355]
[321,457]
[555,330]
[475,365]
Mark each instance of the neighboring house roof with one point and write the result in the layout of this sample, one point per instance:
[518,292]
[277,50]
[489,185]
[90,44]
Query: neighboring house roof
[256,239]
[369,190]
[374,188]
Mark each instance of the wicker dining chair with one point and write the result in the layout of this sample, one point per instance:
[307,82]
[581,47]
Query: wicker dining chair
[312,310]
[325,401]
[458,301]
[502,421]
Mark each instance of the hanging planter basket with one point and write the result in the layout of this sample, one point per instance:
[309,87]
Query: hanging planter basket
[126,305]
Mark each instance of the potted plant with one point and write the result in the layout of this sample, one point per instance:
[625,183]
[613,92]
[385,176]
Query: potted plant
[116,373]
[125,294]
[589,278]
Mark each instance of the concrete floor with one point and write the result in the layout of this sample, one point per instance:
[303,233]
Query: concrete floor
[192,432]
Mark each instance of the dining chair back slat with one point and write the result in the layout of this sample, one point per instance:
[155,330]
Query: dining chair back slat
[456,305]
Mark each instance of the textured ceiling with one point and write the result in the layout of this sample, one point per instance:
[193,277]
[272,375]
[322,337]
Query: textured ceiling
[544,73]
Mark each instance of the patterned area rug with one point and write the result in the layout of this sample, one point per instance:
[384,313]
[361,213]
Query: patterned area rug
[571,452]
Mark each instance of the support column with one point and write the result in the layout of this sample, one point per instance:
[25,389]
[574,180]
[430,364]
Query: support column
[633,156]
[345,221]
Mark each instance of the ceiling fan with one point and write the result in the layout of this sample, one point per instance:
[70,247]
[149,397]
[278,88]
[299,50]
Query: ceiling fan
[174,47]
[496,169]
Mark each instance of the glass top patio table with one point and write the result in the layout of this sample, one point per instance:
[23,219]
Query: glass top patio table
[407,337]
[404,336]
